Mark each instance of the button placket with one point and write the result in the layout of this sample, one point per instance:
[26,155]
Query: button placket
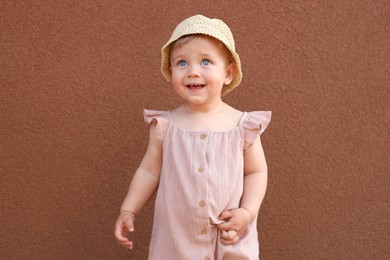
[203,137]
[200,169]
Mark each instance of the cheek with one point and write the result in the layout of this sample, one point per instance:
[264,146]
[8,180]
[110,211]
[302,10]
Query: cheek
[178,76]
[218,76]
[174,78]
[175,74]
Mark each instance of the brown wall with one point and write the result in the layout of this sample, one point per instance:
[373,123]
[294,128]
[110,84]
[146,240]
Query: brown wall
[75,76]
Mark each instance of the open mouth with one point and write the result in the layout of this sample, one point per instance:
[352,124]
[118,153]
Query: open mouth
[195,86]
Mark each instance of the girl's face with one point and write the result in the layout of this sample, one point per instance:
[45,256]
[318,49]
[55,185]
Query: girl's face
[200,68]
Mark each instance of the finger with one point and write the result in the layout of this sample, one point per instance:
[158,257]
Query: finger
[119,234]
[229,235]
[127,227]
[227,241]
[230,241]
[128,223]
[232,234]
[127,244]
[226,226]
[226,215]
[125,231]
[225,235]
[130,226]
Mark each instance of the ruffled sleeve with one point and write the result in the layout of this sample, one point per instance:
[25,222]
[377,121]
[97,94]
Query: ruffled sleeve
[162,118]
[254,124]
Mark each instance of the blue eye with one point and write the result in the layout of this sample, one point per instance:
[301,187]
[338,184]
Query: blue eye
[182,63]
[206,62]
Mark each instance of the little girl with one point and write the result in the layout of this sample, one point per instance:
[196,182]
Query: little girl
[204,158]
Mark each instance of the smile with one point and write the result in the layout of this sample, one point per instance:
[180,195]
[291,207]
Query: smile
[195,86]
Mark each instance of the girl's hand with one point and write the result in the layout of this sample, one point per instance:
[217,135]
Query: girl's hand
[229,237]
[236,223]
[124,225]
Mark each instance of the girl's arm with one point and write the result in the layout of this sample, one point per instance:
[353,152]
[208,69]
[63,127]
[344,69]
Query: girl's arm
[146,177]
[255,179]
[142,187]
[255,184]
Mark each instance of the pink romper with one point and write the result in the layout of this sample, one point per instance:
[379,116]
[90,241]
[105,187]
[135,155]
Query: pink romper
[201,176]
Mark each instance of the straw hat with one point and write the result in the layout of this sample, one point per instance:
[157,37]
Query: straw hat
[200,24]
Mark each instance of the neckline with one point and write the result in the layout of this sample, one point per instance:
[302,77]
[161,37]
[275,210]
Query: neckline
[207,131]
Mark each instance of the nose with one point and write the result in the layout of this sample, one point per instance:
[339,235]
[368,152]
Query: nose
[193,71]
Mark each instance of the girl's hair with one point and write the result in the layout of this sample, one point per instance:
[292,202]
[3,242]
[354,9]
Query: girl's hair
[187,38]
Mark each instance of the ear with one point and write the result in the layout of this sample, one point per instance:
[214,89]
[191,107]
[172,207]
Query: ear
[230,72]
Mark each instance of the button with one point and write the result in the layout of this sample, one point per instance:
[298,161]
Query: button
[203,231]
[202,136]
[207,258]
[202,203]
[200,169]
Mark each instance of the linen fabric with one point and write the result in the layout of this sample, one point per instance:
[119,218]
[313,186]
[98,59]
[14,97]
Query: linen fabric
[201,176]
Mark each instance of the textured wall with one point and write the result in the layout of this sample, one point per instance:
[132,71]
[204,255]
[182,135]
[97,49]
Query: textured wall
[75,76]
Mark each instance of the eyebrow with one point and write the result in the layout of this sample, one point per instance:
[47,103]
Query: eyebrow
[175,57]
[185,56]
